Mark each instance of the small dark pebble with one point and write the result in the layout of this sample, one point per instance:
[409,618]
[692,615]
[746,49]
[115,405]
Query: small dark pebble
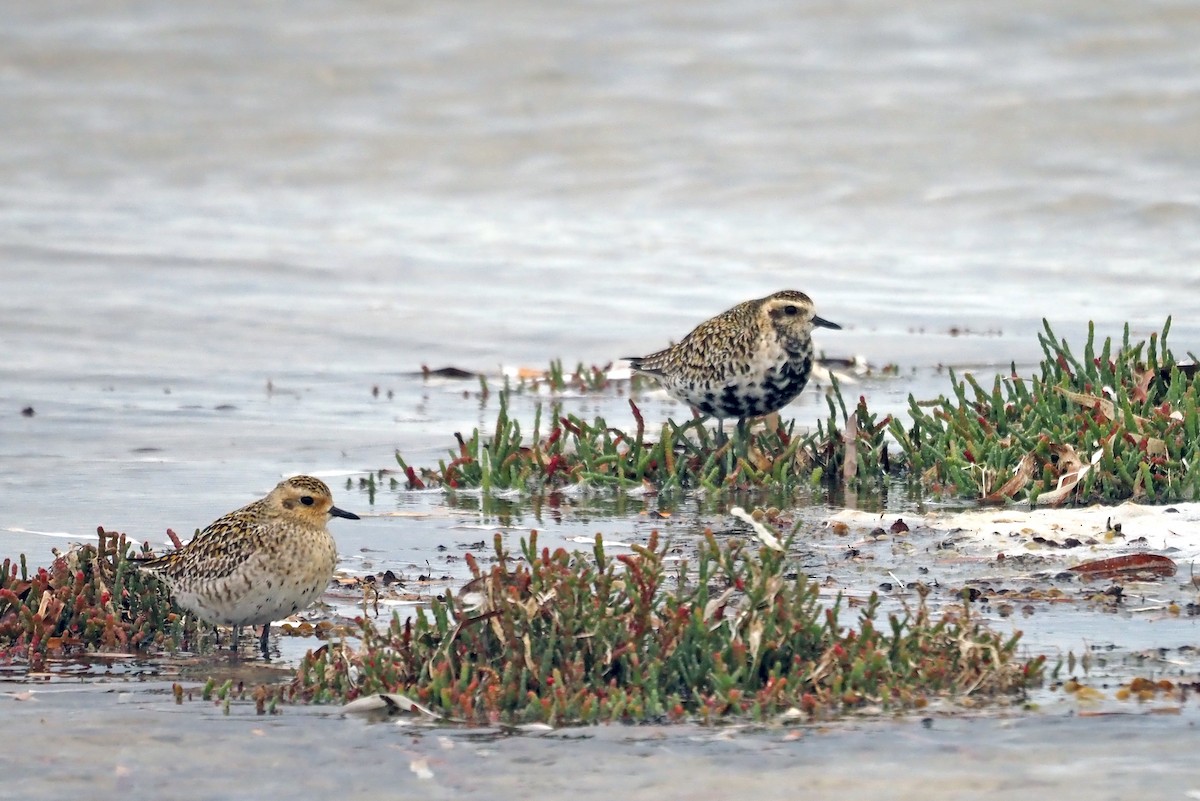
[27,411]
[1071,542]
[886,586]
[922,569]
[927,722]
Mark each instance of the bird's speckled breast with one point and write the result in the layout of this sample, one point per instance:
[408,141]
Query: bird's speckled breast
[271,584]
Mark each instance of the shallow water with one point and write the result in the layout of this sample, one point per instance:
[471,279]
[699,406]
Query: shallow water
[195,202]
[222,226]
[943,758]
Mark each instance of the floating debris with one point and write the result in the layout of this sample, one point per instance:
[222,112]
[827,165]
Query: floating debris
[1137,566]
[386,704]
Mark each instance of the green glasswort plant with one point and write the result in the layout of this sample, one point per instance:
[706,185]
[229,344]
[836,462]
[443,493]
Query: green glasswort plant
[1113,425]
[565,638]
[682,456]
[1116,424]
[90,599]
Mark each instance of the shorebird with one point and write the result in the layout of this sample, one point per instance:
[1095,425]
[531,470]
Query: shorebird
[258,564]
[750,360]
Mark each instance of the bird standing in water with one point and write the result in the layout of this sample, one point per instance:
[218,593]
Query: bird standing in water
[258,564]
[751,360]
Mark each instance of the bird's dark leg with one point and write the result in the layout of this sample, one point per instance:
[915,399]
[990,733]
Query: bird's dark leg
[737,445]
[720,431]
[262,641]
[237,635]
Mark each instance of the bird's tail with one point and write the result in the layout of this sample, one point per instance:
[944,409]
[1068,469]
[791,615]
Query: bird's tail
[152,564]
[644,364]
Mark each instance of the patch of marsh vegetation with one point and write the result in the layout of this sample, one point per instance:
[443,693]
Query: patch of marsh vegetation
[567,638]
[1114,424]
[91,599]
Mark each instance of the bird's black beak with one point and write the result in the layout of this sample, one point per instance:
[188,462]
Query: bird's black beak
[336,512]
[821,322]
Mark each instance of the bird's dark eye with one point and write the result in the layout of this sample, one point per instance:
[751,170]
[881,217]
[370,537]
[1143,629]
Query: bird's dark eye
[790,310]
[307,500]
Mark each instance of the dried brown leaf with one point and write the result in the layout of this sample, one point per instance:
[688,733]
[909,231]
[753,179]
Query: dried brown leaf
[1020,478]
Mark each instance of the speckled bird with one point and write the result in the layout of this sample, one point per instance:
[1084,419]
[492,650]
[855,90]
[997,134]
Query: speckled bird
[751,360]
[260,563]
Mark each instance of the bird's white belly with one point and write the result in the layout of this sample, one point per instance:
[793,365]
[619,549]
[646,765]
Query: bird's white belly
[265,588]
[234,602]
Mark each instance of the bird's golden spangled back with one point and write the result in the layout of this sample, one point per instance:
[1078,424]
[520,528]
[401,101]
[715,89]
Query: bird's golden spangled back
[750,360]
[259,563]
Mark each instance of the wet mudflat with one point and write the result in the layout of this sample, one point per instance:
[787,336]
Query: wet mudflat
[231,237]
[112,726]
[104,741]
